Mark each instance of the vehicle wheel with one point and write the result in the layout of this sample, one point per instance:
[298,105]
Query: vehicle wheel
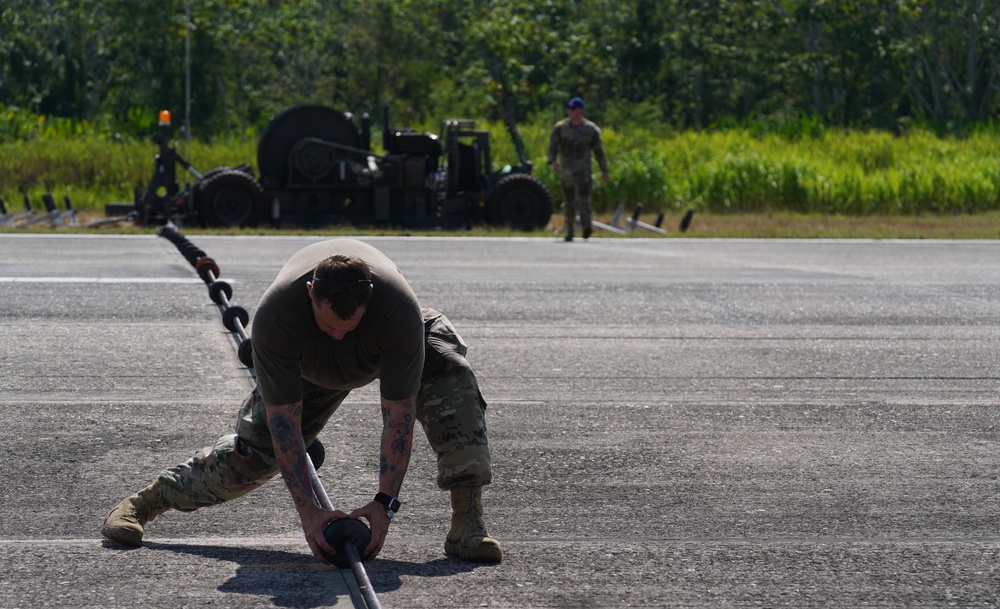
[520,201]
[211,173]
[230,198]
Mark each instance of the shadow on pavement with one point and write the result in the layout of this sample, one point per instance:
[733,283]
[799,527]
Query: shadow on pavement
[294,579]
[386,575]
[291,579]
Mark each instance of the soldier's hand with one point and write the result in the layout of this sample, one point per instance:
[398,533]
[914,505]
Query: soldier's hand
[605,176]
[378,521]
[313,523]
[555,166]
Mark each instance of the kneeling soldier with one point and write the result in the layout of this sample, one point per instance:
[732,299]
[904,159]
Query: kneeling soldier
[338,316]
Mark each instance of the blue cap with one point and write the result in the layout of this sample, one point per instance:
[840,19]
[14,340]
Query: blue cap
[576,102]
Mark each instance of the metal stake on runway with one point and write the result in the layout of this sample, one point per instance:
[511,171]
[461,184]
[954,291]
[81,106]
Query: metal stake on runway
[235,320]
[613,227]
[24,216]
[4,216]
[634,222]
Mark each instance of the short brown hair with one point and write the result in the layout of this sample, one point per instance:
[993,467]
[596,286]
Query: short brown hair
[343,281]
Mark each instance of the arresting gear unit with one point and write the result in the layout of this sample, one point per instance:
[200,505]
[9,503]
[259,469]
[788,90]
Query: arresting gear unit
[317,169]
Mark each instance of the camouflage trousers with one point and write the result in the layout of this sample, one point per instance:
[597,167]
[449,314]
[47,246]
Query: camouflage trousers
[450,408]
[577,187]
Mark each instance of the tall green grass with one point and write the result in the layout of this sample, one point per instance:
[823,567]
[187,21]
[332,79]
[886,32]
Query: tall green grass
[93,171]
[731,171]
[858,173]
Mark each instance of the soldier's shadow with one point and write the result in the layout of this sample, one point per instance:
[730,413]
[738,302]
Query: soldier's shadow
[296,580]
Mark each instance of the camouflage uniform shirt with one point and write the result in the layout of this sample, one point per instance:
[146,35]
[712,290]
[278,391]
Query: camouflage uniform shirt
[572,144]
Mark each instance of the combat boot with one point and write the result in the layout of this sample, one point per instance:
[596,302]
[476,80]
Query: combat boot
[125,523]
[468,538]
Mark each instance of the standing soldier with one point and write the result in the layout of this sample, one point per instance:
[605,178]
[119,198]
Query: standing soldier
[572,141]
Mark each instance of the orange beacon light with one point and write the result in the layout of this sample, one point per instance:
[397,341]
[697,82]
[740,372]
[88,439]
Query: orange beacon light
[164,118]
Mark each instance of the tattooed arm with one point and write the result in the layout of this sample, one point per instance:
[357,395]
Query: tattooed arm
[397,439]
[285,423]
[398,418]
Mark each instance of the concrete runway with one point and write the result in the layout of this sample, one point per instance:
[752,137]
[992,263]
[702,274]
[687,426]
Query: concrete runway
[674,423]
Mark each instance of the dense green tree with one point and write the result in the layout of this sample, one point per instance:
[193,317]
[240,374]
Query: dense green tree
[843,61]
[53,56]
[685,63]
[952,53]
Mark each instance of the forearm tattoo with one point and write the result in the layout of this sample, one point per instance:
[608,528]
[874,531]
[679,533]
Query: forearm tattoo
[285,423]
[397,440]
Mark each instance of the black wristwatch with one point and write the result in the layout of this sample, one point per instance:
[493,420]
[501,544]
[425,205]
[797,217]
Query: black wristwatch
[391,504]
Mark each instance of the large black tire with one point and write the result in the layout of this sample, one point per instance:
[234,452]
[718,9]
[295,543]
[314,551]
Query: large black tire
[230,198]
[211,173]
[520,201]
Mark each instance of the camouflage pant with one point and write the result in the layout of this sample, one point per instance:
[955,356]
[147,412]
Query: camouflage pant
[576,190]
[450,408]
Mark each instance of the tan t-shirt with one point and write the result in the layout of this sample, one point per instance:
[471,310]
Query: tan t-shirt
[288,346]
